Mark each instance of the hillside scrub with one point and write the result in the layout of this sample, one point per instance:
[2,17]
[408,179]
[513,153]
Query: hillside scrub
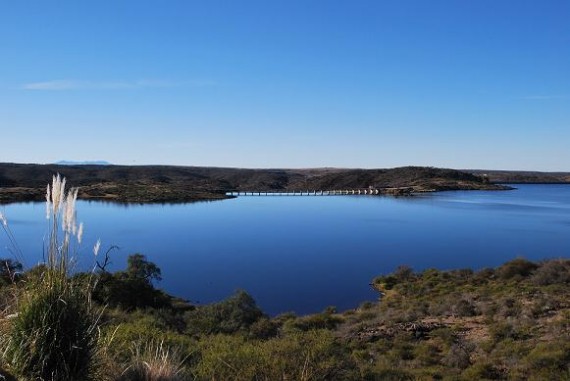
[162,184]
[450,325]
[511,322]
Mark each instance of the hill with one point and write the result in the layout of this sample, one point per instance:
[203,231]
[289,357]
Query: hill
[523,177]
[26,182]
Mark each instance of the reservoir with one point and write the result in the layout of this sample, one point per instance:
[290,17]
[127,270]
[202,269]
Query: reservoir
[304,253]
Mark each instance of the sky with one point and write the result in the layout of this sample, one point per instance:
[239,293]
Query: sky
[287,83]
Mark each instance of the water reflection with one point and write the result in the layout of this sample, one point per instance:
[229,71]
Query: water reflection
[306,253]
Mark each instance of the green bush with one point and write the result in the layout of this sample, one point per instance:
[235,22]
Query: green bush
[391,374]
[130,289]
[549,359]
[483,371]
[552,272]
[301,356]
[53,337]
[128,293]
[517,269]
[323,320]
[232,315]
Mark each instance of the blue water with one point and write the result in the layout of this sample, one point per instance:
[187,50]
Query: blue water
[303,254]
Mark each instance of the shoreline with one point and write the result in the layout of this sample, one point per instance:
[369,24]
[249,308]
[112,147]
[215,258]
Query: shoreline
[155,194]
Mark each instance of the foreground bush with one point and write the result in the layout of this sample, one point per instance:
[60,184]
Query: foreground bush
[302,356]
[53,335]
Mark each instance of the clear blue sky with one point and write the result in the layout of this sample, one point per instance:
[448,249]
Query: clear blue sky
[292,83]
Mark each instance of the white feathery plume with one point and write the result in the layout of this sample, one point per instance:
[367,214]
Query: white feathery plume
[48,202]
[80,232]
[69,215]
[3,219]
[62,192]
[57,193]
[97,247]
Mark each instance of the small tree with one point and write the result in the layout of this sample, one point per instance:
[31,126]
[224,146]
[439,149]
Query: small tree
[132,288]
[139,268]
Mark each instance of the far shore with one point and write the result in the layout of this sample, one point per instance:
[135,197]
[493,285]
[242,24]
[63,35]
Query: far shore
[172,184]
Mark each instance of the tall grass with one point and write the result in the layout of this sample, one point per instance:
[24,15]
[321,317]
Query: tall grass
[53,335]
[154,361]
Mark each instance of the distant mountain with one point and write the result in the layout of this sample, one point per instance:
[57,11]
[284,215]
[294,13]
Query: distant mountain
[96,162]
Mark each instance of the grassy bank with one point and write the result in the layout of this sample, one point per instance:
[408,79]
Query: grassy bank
[512,322]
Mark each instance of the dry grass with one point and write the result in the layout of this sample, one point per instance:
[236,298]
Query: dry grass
[154,361]
[53,332]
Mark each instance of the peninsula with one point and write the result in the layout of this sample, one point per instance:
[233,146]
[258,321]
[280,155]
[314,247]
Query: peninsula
[156,184]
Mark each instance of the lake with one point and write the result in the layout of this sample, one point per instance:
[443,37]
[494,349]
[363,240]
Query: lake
[304,253]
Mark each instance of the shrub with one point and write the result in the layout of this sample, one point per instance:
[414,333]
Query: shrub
[552,272]
[517,269]
[427,354]
[123,290]
[323,320]
[392,374]
[264,329]
[301,356]
[483,371]
[459,355]
[465,308]
[54,334]
[232,315]
[549,359]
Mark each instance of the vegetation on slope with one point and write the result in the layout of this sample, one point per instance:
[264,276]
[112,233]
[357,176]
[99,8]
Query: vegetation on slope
[25,182]
[510,323]
[524,177]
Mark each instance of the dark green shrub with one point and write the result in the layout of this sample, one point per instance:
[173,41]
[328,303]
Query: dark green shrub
[132,288]
[121,290]
[387,282]
[459,355]
[53,337]
[551,358]
[324,320]
[465,308]
[483,371]
[552,272]
[427,354]
[139,268]
[366,306]
[303,356]
[404,273]
[263,329]
[402,351]
[483,276]
[506,330]
[517,269]
[392,374]
[232,315]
